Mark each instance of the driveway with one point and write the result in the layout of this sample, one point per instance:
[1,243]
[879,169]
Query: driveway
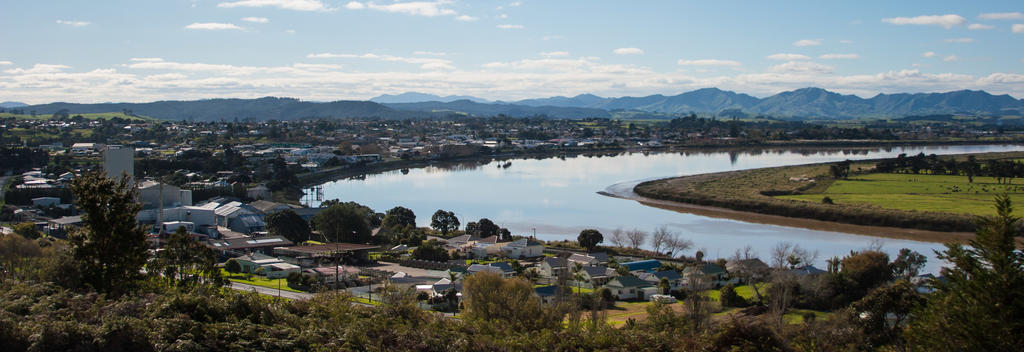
[270,291]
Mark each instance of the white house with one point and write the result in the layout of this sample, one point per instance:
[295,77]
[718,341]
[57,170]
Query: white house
[523,248]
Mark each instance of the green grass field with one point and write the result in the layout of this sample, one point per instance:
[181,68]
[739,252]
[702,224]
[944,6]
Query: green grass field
[257,280]
[939,193]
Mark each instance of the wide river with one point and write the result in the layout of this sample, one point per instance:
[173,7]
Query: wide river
[557,197]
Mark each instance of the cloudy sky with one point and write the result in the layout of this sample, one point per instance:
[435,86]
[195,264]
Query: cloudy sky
[134,51]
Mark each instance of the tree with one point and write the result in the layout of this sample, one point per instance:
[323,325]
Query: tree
[664,286]
[289,224]
[111,248]
[343,223]
[508,302]
[27,230]
[589,239]
[186,263]
[676,244]
[232,266]
[636,238]
[867,269]
[840,170]
[730,298]
[432,250]
[399,217]
[908,263]
[444,221]
[486,228]
[979,305]
[882,314]
[660,238]
[618,238]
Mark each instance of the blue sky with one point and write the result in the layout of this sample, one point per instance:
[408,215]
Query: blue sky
[99,51]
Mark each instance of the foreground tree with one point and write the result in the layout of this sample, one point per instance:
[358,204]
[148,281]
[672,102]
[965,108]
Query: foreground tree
[186,263]
[111,248]
[444,221]
[507,302]
[589,239]
[980,305]
[290,225]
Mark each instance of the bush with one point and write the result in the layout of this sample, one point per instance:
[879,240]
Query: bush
[729,297]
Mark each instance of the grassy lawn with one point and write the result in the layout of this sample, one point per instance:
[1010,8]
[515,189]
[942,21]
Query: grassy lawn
[940,193]
[257,280]
[796,316]
[745,291]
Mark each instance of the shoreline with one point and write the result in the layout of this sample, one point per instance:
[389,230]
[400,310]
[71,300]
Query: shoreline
[804,223]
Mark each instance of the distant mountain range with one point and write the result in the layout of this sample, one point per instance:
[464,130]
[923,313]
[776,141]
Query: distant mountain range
[415,97]
[12,104]
[806,103]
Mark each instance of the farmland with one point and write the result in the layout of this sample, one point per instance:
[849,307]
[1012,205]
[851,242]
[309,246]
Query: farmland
[920,192]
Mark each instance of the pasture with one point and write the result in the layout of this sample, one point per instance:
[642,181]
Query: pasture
[921,192]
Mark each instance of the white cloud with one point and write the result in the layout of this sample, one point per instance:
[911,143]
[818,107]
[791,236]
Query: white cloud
[510,26]
[1002,16]
[145,59]
[979,26]
[807,42]
[951,58]
[787,57]
[846,41]
[1018,28]
[38,69]
[946,21]
[555,54]
[803,67]
[74,23]
[5,63]
[427,63]
[256,19]
[839,56]
[466,18]
[289,31]
[928,54]
[514,4]
[414,8]
[960,40]
[297,5]
[212,26]
[431,53]
[628,51]
[708,62]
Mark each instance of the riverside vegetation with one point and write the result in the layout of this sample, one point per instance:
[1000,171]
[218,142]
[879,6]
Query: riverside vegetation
[922,192]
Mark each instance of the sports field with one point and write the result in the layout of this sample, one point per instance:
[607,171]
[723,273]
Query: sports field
[940,193]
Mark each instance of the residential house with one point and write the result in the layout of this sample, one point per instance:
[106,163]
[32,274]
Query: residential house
[280,270]
[523,248]
[630,287]
[267,207]
[251,261]
[597,275]
[327,275]
[754,268]
[500,268]
[547,294]
[589,258]
[807,270]
[263,245]
[675,281]
[552,267]
[443,285]
[650,265]
[712,272]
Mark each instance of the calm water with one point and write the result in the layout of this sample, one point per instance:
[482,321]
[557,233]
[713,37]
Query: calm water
[558,197]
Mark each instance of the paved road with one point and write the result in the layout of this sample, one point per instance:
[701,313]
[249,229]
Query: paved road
[270,291]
